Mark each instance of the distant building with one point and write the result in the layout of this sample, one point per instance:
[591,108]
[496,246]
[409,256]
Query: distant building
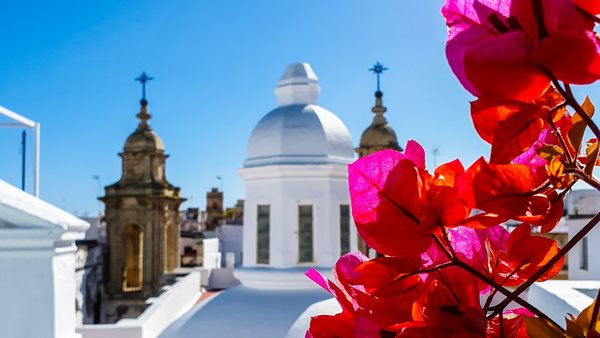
[191,220]
[214,209]
[192,248]
[378,136]
[143,226]
[235,214]
[89,271]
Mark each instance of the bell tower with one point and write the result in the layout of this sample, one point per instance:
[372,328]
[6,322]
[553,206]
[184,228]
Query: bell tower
[142,216]
[378,136]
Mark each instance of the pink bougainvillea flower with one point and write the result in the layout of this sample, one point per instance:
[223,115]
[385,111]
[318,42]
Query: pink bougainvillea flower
[507,258]
[448,307]
[507,191]
[591,7]
[331,326]
[511,126]
[513,324]
[397,204]
[547,138]
[505,48]
[527,253]
[356,288]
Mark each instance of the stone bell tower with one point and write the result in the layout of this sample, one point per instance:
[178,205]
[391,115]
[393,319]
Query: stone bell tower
[378,136]
[142,217]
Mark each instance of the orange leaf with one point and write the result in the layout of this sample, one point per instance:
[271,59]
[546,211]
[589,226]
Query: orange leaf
[578,129]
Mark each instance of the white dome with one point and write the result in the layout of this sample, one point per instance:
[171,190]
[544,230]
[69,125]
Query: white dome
[299,131]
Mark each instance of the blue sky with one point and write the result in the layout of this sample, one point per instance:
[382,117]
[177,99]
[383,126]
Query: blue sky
[70,65]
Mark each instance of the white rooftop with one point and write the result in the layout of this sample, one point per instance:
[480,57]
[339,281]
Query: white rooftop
[20,209]
[299,131]
[247,312]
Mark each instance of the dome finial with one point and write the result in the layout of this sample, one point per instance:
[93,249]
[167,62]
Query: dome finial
[378,109]
[298,85]
[143,114]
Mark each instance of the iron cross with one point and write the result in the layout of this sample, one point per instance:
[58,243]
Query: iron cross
[143,78]
[378,69]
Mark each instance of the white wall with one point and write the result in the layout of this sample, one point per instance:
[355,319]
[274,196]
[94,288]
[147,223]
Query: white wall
[231,239]
[211,254]
[579,204]
[593,252]
[37,260]
[164,310]
[284,187]
[26,286]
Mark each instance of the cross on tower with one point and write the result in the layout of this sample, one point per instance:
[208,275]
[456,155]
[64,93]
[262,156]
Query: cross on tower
[143,78]
[378,69]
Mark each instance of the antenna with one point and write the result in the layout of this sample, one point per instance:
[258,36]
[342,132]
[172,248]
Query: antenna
[436,152]
[23,153]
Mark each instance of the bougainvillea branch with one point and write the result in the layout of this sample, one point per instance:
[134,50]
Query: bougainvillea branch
[563,251]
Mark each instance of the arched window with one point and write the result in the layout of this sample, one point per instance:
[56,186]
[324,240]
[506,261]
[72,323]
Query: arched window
[132,248]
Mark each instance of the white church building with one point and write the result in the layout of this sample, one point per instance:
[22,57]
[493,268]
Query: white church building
[297,209]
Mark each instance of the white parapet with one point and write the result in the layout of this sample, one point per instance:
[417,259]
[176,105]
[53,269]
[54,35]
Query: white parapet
[163,310]
[37,258]
[557,298]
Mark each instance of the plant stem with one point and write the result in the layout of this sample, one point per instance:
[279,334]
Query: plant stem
[404,276]
[509,295]
[587,14]
[447,240]
[575,105]
[561,140]
[501,320]
[583,176]
[504,291]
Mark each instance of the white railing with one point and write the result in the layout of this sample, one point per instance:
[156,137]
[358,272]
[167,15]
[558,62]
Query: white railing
[20,122]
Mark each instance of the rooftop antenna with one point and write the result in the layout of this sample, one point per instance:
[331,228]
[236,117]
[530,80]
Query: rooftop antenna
[221,182]
[23,155]
[436,152]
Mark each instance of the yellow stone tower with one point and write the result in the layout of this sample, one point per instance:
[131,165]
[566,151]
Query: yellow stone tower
[378,136]
[142,217]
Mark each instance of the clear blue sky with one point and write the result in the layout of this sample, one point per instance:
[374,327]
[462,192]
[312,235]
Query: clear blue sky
[70,65]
